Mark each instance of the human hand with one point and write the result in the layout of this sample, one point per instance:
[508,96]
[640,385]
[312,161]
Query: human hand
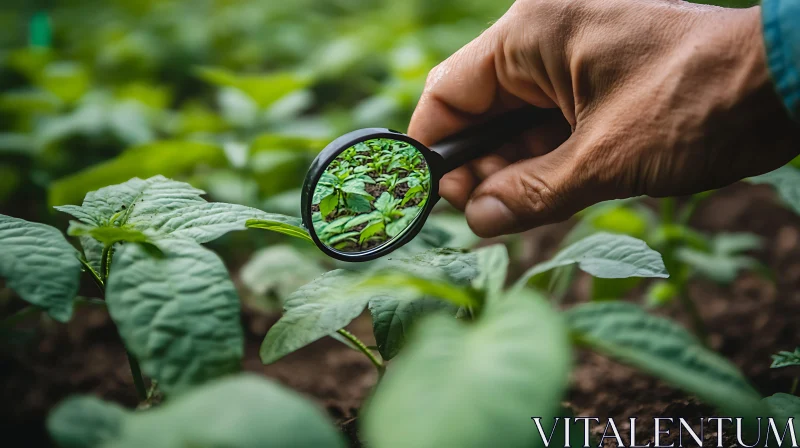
[649,97]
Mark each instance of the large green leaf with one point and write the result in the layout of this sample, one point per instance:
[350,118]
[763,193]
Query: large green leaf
[475,385]
[786,181]
[85,422]
[134,202]
[40,265]
[606,255]
[493,268]
[178,314]
[245,411]
[286,225]
[208,221]
[666,350]
[158,208]
[393,314]
[314,311]
[782,407]
[168,158]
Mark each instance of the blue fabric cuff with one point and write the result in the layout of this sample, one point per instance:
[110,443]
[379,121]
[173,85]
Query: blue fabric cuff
[781,21]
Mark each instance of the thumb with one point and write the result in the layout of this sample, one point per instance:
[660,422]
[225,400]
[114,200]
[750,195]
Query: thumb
[534,192]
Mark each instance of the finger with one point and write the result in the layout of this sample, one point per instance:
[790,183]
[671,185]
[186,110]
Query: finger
[457,186]
[533,192]
[460,91]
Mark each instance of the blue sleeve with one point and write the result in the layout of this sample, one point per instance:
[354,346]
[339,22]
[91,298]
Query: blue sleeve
[781,20]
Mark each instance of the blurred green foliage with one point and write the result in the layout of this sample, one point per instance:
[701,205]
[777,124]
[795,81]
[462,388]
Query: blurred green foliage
[235,96]
[158,81]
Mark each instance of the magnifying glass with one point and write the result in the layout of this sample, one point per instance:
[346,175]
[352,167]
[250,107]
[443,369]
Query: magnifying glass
[370,191]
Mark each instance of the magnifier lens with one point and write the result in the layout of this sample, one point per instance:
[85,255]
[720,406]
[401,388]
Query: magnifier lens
[369,195]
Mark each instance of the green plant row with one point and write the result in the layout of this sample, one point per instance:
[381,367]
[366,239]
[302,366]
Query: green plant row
[476,351]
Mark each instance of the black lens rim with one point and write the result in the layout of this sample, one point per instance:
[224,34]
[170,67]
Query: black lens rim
[336,147]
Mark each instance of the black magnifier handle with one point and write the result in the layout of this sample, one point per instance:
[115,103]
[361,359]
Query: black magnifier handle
[482,139]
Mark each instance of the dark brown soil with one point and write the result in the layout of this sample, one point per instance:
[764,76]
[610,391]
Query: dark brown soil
[375,189]
[747,322]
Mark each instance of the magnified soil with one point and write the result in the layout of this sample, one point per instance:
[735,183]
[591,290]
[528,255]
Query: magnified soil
[747,322]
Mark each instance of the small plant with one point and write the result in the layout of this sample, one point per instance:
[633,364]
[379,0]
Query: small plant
[787,359]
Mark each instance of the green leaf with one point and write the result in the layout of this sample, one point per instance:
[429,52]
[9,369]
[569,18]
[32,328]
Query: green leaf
[245,411]
[399,283]
[393,314]
[206,221]
[179,314]
[735,243]
[664,349]
[134,202]
[493,268]
[40,265]
[168,158]
[786,359]
[292,227]
[85,422]
[622,220]
[314,311]
[108,235]
[370,231]
[443,390]
[786,181]
[606,255]
[783,407]
[328,204]
[717,267]
[393,317]
[263,89]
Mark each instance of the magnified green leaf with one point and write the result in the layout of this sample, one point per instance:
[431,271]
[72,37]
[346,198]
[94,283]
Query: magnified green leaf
[328,204]
[168,158]
[244,411]
[606,255]
[664,349]
[500,355]
[178,314]
[40,265]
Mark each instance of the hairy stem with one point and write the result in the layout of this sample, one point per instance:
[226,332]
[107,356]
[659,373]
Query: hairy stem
[105,263]
[365,350]
[138,380]
[95,275]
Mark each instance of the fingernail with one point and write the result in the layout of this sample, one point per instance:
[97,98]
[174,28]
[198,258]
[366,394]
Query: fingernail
[488,217]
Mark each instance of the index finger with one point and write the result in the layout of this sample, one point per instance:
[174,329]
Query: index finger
[460,91]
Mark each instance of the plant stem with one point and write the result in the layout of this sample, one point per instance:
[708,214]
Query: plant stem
[667,211]
[105,262]
[95,275]
[793,389]
[138,380]
[365,350]
[136,371]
